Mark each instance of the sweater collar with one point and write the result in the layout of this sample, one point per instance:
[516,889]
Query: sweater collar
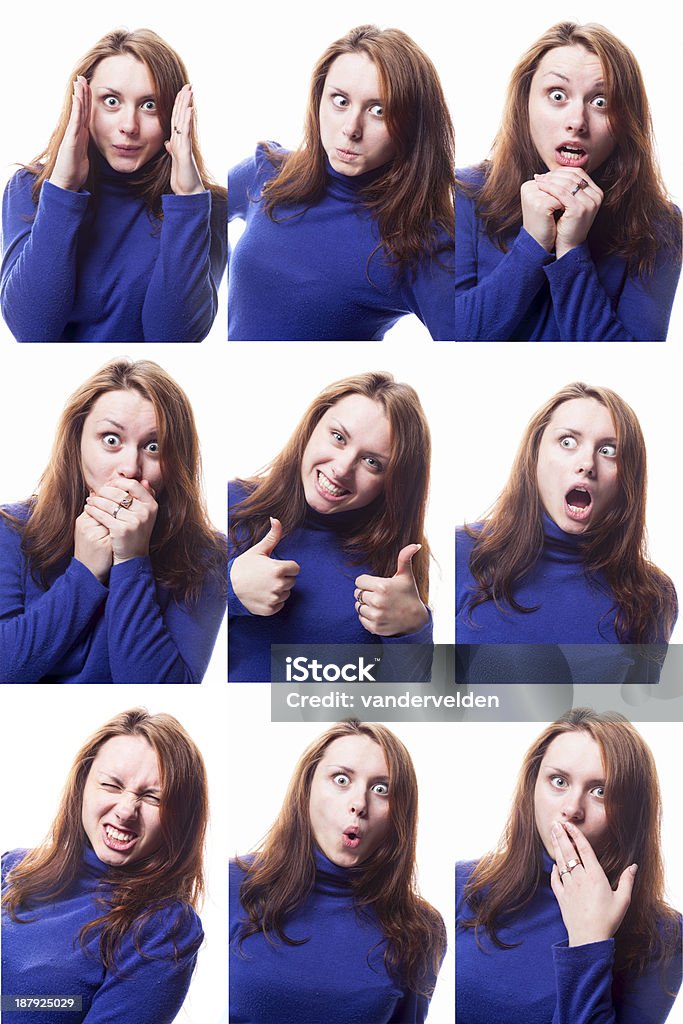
[330,878]
[92,865]
[348,186]
[561,546]
[343,522]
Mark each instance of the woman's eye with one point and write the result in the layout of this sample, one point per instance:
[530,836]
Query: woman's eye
[154,801]
[109,786]
[600,102]
[341,779]
[111,440]
[340,101]
[152,447]
[610,450]
[149,105]
[558,782]
[373,463]
[111,101]
[568,442]
[557,95]
[599,791]
[381,788]
[377,110]
[337,436]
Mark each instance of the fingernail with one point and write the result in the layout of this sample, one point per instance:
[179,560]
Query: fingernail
[555,832]
[634,868]
[568,825]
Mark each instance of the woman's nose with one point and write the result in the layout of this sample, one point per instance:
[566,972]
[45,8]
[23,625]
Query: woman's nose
[572,809]
[126,806]
[576,117]
[129,123]
[353,125]
[357,802]
[130,464]
[585,462]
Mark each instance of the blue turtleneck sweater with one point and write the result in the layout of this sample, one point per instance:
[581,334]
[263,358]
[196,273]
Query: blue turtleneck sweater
[308,275]
[543,980]
[525,294]
[78,630]
[320,608]
[43,956]
[101,268]
[336,976]
[571,609]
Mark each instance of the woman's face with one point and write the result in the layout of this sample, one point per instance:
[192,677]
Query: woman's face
[349,801]
[353,131]
[121,801]
[577,473]
[568,116]
[124,124]
[571,787]
[344,463]
[120,439]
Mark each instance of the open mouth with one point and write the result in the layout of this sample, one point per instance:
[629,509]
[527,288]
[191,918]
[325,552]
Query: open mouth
[119,839]
[578,503]
[329,489]
[351,838]
[571,156]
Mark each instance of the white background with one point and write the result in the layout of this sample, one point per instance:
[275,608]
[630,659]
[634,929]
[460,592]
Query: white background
[250,65]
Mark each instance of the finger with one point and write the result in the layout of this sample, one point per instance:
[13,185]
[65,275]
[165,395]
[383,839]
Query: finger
[367,582]
[140,489]
[627,880]
[584,848]
[87,101]
[271,539]
[405,557]
[556,882]
[287,568]
[99,515]
[563,847]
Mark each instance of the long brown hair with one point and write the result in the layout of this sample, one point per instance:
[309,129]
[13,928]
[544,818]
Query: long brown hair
[636,218]
[185,548]
[173,872]
[412,200]
[399,518]
[281,875]
[506,879]
[169,75]
[509,545]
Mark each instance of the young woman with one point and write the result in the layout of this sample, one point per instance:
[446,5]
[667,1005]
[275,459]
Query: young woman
[333,883]
[566,920]
[354,229]
[561,557]
[104,912]
[115,231]
[327,542]
[566,232]
[112,572]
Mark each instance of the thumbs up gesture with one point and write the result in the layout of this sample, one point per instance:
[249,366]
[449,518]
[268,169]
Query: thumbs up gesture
[261,582]
[391,607]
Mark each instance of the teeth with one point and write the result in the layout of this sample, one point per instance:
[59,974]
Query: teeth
[328,486]
[123,837]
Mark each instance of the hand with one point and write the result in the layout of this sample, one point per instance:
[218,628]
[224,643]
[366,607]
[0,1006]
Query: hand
[72,164]
[92,546]
[391,607]
[579,208]
[538,214]
[185,180]
[130,527]
[262,583]
[591,910]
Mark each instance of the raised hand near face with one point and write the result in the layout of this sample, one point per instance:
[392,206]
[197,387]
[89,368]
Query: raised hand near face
[392,606]
[579,198]
[263,583]
[591,910]
[92,546]
[72,164]
[185,179]
[127,509]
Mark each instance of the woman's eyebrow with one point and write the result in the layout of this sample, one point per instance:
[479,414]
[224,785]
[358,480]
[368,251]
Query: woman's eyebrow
[111,422]
[580,433]
[113,778]
[338,423]
[343,92]
[568,775]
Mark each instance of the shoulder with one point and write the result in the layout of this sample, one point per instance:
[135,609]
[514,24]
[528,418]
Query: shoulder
[262,165]
[464,869]
[175,926]
[22,181]
[237,492]
[10,859]
[12,519]
[464,539]
[470,178]
[239,867]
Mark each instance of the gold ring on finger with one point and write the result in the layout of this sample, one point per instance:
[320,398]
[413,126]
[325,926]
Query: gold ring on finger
[127,501]
[573,863]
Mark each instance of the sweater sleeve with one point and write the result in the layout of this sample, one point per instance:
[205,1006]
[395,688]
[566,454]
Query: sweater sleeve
[149,987]
[181,300]
[431,295]
[151,645]
[39,251]
[584,311]
[412,1009]
[33,639]
[584,988]
[490,309]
